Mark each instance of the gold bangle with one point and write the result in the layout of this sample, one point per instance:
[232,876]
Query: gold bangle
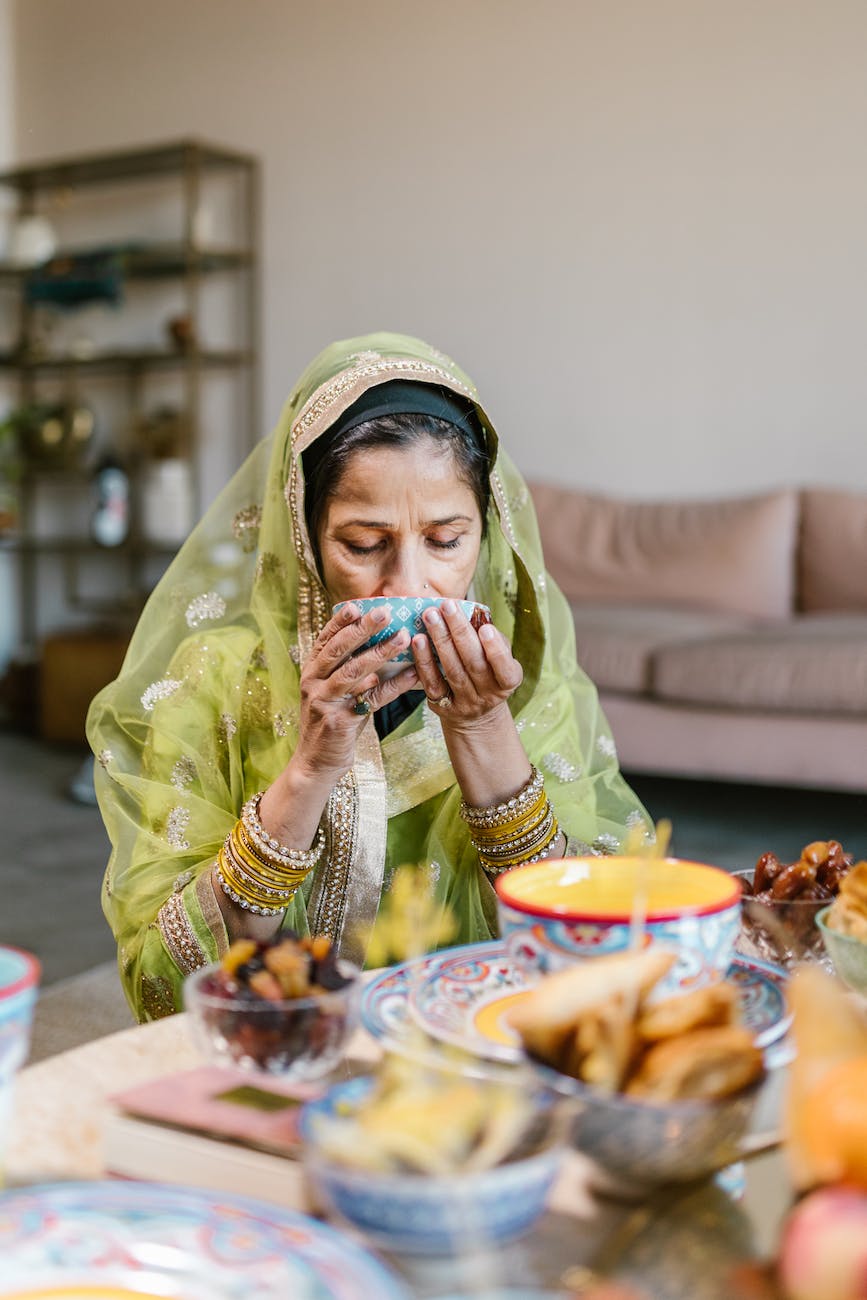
[509,809]
[268,885]
[247,854]
[499,868]
[515,826]
[270,850]
[241,893]
[522,849]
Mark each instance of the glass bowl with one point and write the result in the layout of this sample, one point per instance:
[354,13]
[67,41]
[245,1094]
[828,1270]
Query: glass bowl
[431,1214]
[297,1039]
[848,954]
[641,1144]
[781,931]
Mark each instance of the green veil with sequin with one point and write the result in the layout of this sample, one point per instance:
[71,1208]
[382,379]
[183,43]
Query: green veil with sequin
[205,710]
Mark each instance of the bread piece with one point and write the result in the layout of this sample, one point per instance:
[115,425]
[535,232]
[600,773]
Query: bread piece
[553,1009]
[704,1065]
[715,1004]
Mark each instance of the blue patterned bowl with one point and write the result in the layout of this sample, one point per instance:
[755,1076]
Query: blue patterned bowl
[421,1214]
[406,612]
[554,913]
[19,982]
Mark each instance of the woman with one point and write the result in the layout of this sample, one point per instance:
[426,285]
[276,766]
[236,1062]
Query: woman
[382,478]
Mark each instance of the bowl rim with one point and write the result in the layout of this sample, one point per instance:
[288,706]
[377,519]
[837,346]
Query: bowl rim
[743,872]
[29,976]
[191,989]
[836,934]
[429,601]
[361,1084]
[557,912]
[686,1107]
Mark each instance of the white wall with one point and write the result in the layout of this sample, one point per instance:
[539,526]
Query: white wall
[641,225]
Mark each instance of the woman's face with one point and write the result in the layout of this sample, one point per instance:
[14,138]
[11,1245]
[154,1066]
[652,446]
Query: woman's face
[400,522]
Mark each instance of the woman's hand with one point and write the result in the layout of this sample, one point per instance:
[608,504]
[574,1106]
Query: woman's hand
[477,671]
[333,679]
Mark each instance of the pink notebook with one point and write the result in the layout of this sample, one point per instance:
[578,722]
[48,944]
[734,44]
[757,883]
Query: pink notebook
[223,1103]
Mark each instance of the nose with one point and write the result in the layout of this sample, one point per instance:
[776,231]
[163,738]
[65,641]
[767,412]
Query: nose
[405,576]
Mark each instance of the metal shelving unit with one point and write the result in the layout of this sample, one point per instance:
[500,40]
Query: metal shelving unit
[187,164]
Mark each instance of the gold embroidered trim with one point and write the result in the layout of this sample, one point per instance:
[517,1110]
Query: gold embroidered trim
[157,997]
[178,935]
[328,901]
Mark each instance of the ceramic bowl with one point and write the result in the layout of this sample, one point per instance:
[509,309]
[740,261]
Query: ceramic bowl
[781,931]
[554,913]
[639,1145]
[422,1214]
[297,1039]
[848,955]
[406,612]
[19,983]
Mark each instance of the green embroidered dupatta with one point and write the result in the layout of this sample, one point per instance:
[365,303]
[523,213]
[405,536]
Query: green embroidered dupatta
[205,710]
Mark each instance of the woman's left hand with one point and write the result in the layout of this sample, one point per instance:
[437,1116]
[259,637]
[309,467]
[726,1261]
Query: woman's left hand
[477,671]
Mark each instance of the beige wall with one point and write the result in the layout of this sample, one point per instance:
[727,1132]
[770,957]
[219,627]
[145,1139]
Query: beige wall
[640,224]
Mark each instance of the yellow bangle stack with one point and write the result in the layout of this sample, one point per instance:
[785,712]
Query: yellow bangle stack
[257,872]
[522,829]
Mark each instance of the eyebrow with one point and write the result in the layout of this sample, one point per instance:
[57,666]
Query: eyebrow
[427,523]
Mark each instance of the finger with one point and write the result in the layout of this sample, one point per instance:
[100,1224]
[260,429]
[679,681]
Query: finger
[507,672]
[452,666]
[465,639]
[359,665]
[432,681]
[385,692]
[349,637]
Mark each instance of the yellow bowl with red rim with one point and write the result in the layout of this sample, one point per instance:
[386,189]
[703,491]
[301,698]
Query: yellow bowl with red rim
[554,913]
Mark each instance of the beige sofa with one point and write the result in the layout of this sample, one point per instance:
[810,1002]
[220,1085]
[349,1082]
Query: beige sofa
[728,638]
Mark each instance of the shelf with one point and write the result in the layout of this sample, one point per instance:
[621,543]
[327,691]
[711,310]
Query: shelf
[153,262]
[98,169]
[114,362]
[78,545]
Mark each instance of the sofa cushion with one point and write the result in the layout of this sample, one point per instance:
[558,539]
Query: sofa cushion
[832,557]
[616,643]
[815,663]
[736,555]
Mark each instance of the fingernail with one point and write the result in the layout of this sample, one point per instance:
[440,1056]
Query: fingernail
[382,614]
[450,606]
[486,632]
[432,618]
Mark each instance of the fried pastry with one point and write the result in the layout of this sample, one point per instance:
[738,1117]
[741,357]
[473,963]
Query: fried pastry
[704,1065]
[717,1004]
[547,1019]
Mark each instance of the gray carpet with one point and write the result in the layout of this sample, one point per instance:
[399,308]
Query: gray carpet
[54,849]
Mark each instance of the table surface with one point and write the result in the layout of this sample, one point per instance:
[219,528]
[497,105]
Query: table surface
[679,1244]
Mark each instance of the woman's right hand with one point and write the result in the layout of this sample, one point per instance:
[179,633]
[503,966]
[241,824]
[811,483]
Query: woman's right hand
[333,678]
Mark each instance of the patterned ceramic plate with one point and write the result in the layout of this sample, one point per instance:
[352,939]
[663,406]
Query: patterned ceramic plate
[462,996]
[140,1241]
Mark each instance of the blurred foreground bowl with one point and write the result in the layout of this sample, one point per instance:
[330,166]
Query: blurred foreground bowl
[297,1039]
[19,982]
[425,1214]
[848,955]
[641,1144]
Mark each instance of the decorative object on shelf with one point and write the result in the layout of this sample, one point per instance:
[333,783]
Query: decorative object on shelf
[11,470]
[32,241]
[164,433]
[182,333]
[166,501]
[78,279]
[110,521]
[51,434]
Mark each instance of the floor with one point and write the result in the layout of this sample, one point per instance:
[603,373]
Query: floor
[55,849]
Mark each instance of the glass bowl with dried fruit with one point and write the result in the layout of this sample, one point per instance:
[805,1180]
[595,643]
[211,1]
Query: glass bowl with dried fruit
[781,901]
[425,1160]
[662,1090]
[284,1007]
